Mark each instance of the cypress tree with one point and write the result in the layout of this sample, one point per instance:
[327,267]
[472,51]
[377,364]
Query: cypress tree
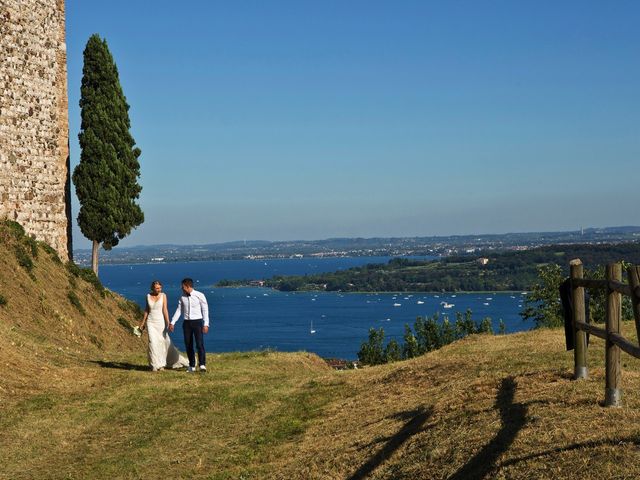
[106,179]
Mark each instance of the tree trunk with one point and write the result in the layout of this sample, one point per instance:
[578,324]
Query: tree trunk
[94,257]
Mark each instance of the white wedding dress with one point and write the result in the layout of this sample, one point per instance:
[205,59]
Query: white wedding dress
[162,352]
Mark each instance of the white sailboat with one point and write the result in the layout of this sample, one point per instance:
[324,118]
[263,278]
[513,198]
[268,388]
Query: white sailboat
[311,329]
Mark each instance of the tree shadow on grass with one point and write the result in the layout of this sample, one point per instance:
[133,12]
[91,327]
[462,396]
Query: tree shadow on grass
[415,421]
[513,417]
[121,365]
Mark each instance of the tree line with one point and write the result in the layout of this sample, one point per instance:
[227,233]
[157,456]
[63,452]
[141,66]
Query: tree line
[517,270]
[428,333]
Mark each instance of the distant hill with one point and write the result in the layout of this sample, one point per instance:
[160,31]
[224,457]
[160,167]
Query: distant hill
[477,271]
[377,246]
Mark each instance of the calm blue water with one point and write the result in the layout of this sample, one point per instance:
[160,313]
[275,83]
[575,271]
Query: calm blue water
[257,318]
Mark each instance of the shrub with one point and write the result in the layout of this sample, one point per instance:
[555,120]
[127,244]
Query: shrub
[485,326]
[51,251]
[542,305]
[430,334]
[371,352]
[392,352]
[24,260]
[131,307]
[96,341]
[14,228]
[87,275]
[125,323]
[33,246]
[3,301]
[75,301]
[410,347]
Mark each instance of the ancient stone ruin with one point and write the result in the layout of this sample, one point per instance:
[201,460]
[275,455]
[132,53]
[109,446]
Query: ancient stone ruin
[34,130]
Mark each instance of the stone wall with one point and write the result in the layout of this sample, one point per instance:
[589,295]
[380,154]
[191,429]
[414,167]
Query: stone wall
[34,130]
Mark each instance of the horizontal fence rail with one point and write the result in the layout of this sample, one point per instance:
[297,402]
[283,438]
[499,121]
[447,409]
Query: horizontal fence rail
[614,342]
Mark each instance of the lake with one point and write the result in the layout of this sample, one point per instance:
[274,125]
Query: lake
[257,318]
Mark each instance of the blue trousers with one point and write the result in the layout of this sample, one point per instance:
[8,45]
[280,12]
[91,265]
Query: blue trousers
[193,329]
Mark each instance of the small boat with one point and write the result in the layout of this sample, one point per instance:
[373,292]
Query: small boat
[420,302]
[453,296]
[485,303]
[489,298]
[397,304]
[311,329]
[447,305]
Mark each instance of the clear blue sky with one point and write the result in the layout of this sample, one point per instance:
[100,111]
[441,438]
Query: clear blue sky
[313,119]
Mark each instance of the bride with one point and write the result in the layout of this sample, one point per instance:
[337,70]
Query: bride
[162,352]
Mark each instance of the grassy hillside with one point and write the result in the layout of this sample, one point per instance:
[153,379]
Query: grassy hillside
[483,407]
[50,316]
[513,270]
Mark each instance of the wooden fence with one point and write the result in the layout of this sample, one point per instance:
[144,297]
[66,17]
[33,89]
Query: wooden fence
[614,289]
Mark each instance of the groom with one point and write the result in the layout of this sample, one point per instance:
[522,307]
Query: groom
[195,314]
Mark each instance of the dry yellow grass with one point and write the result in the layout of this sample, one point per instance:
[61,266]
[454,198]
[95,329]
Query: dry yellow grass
[484,407]
[41,331]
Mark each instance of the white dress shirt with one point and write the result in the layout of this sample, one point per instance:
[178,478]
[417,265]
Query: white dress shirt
[192,307]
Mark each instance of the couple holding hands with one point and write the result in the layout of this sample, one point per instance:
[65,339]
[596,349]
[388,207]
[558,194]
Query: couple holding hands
[193,308]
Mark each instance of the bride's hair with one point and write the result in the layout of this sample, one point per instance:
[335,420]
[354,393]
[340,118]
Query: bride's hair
[154,283]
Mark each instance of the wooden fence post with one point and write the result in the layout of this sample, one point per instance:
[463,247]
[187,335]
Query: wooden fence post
[614,310]
[633,274]
[580,347]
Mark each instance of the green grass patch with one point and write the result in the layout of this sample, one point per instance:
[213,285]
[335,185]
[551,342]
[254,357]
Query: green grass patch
[32,245]
[244,411]
[75,301]
[129,306]
[51,252]
[24,259]
[14,228]
[125,323]
[87,275]
[96,341]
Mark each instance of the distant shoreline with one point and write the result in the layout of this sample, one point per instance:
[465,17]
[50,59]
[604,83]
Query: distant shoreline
[367,292]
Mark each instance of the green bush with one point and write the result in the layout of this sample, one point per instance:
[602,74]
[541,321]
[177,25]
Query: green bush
[87,275]
[429,333]
[125,323]
[33,246]
[131,307]
[3,301]
[51,252]
[372,351]
[75,301]
[392,352]
[24,259]
[14,228]
[96,341]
